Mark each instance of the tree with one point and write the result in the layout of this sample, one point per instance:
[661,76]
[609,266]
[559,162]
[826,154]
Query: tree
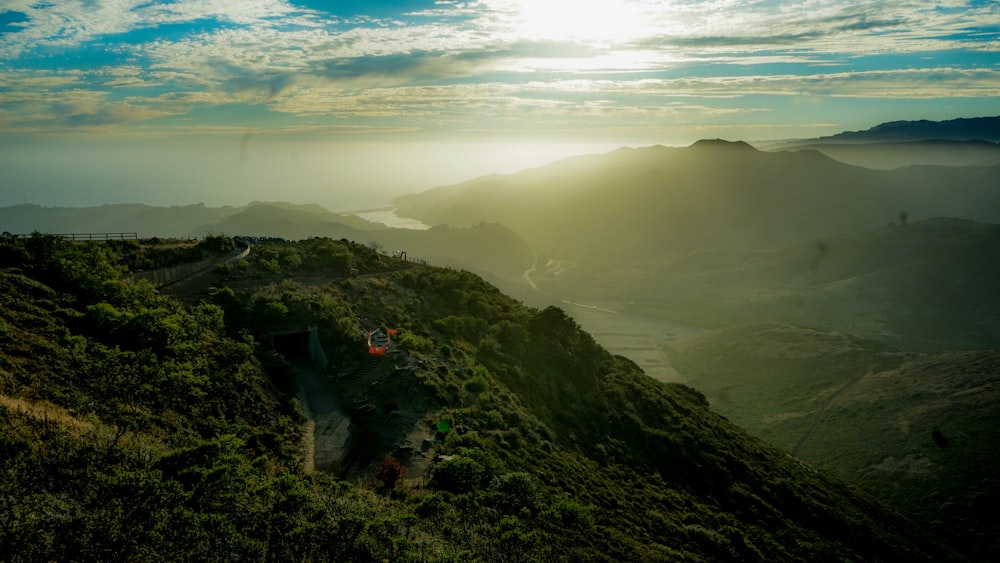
[903,217]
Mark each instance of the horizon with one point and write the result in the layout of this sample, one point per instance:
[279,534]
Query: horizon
[349,105]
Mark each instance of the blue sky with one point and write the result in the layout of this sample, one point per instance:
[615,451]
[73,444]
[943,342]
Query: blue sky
[600,73]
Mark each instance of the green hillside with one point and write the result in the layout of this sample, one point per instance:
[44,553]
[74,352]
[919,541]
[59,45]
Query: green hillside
[918,431]
[140,425]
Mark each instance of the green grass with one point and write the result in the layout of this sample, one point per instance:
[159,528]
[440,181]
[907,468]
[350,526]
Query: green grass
[865,413]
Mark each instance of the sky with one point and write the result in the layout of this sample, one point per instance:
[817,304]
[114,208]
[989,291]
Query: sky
[348,103]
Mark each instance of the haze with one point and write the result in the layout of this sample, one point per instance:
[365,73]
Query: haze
[348,104]
[338,177]
[787,212]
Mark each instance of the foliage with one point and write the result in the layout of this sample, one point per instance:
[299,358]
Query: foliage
[136,427]
[389,472]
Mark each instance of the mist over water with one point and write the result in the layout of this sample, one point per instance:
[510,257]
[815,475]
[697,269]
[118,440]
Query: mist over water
[389,218]
[338,177]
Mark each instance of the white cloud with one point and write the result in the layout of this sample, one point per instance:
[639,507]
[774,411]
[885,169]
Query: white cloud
[511,60]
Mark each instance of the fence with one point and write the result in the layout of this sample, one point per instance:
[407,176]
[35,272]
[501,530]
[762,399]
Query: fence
[92,236]
[167,276]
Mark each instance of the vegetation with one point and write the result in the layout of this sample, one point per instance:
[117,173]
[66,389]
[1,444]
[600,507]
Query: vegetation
[916,430]
[140,427]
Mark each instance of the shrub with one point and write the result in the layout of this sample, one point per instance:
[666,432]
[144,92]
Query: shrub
[459,474]
[389,472]
[476,385]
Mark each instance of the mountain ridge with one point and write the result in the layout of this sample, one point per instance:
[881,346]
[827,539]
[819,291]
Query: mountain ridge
[960,129]
[701,196]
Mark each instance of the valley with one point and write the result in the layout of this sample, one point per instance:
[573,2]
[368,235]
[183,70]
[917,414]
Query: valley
[530,281]
[845,316]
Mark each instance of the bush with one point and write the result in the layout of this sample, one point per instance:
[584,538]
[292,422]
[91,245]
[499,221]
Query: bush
[476,385]
[389,472]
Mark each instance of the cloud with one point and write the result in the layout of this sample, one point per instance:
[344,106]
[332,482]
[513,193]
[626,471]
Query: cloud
[104,63]
[70,109]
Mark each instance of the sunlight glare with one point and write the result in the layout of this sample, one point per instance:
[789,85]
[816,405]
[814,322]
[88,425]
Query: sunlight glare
[593,22]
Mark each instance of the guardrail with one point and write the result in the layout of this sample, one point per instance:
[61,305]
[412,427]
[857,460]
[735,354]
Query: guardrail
[90,236]
[166,276]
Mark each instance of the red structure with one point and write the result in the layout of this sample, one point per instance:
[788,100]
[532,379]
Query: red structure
[379,342]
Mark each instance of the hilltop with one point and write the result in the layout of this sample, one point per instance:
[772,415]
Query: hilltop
[142,426]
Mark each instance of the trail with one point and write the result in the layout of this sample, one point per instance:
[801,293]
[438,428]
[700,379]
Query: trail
[829,401]
[325,434]
[527,275]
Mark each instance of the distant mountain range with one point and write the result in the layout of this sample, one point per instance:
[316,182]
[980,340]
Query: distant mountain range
[890,155]
[966,129]
[958,142]
[177,221]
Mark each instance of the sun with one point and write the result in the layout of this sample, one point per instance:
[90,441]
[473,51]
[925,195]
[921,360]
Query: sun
[590,22]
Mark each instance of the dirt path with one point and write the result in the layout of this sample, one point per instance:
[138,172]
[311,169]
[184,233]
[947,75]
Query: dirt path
[829,401]
[360,418]
[326,432]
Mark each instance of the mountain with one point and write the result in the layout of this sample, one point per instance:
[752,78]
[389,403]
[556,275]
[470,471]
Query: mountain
[286,220]
[177,221]
[964,129]
[249,421]
[891,154]
[639,204]
[916,430]
[958,142]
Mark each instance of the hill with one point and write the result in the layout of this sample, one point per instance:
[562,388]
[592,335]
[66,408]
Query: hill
[168,222]
[139,426]
[963,129]
[957,142]
[924,286]
[889,155]
[490,249]
[638,204]
[918,431]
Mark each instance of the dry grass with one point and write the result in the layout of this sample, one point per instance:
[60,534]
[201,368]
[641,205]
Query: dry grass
[103,435]
[44,410]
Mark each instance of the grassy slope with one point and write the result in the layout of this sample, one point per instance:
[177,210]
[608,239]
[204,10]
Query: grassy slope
[138,428]
[867,413]
[926,286]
